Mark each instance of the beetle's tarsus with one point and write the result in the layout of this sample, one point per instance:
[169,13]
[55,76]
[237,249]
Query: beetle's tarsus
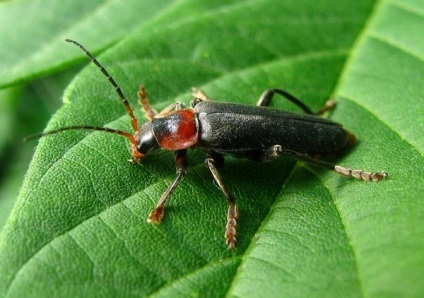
[231,227]
[232,214]
[156,215]
[360,174]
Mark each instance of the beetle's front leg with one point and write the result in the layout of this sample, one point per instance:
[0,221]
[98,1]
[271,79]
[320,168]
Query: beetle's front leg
[149,112]
[232,214]
[181,165]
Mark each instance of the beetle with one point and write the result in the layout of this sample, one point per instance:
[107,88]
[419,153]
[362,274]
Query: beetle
[258,133]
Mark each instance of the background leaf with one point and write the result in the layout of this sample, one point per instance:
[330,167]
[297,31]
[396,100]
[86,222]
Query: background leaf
[24,110]
[38,49]
[78,226]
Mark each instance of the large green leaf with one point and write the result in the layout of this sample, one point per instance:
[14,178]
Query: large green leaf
[78,227]
[25,110]
[33,31]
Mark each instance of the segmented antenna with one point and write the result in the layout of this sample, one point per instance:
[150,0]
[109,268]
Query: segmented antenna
[96,128]
[118,90]
[81,127]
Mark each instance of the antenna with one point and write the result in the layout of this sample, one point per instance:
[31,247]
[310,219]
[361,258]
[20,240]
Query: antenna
[81,127]
[111,80]
[118,90]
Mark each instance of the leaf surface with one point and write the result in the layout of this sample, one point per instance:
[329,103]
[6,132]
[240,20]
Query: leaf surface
[34,31]
[79,229]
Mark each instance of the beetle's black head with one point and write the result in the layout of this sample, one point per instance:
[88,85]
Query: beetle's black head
[146,141]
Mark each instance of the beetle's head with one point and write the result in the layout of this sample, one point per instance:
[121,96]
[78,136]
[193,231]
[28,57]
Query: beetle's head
[145,141]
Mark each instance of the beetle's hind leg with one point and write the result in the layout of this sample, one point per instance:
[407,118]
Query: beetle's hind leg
[266,154]
[273,152]
[344,171]
[232,214]
[267,96]
[328,106]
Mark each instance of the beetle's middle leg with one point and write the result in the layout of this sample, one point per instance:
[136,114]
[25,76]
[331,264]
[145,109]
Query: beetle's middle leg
[232,214]
[267,95]
[181,165]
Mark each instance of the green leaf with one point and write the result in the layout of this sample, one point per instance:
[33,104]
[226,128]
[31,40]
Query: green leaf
[24,110]
[7,107]
[8,188]
[34,30]
[78,227]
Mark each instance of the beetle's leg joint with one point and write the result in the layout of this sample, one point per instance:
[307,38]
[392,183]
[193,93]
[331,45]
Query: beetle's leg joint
[199,94]
[194,102]
[329,105]
[265,98]
[272,152]
[267,154]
